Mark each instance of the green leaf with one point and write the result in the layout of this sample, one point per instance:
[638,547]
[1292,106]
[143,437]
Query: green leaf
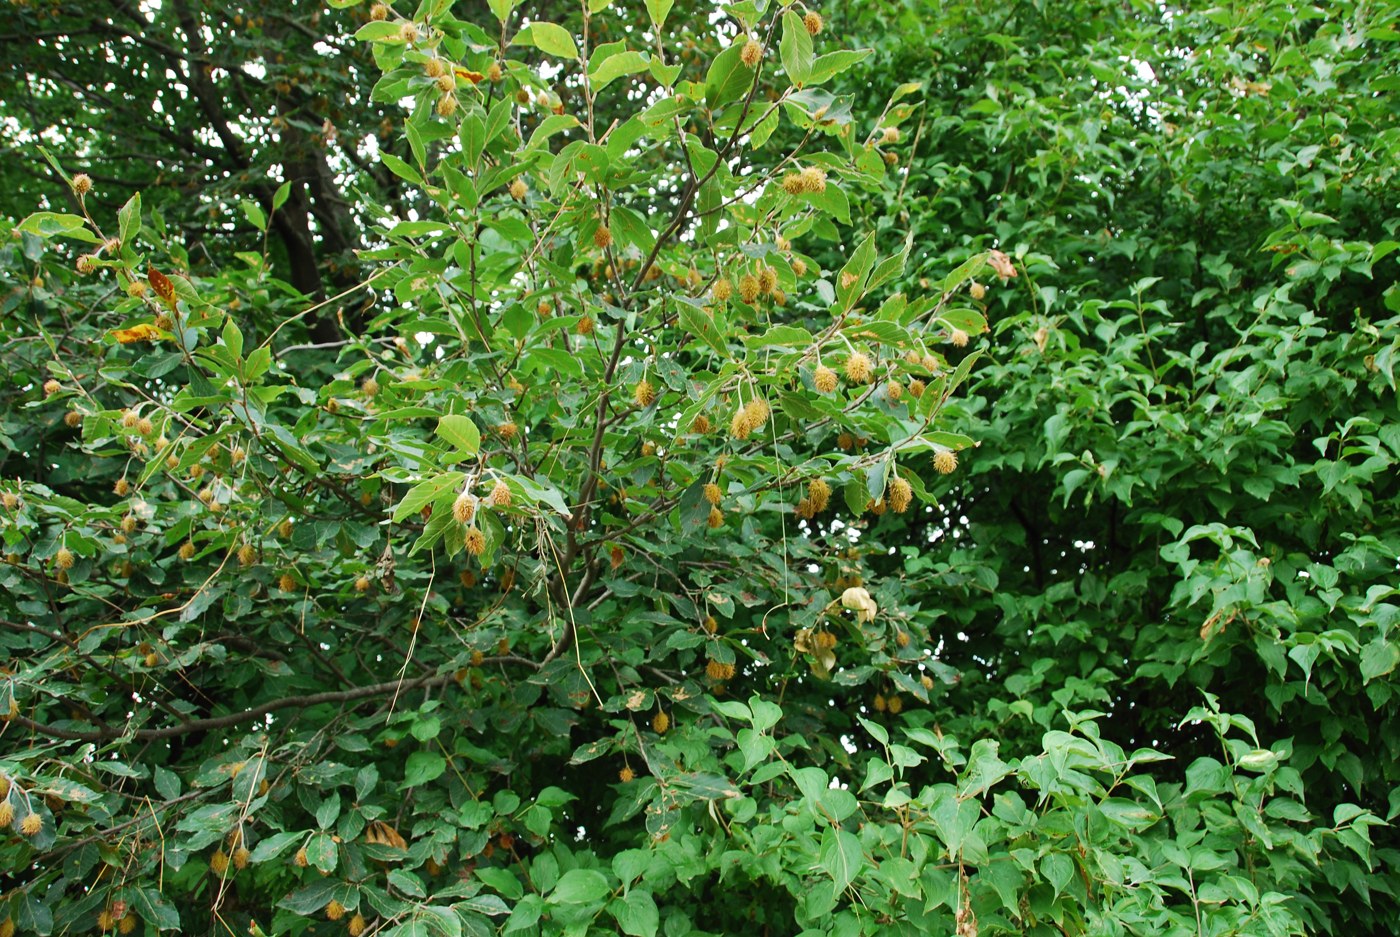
[658,10]
[153,908]
[47,224]
[290,447]
[580,887]
[379,31]
[549,38]
[401,169]
[460,433]
[636,913]
[274,846]
[254,213]
[426,492]
[841,857]
[832,64]
[728,78]
[796,48]
[313,898]
[850,284]
[423,767]
[322,853]
[129,219]
[1378,658]
[696,321]
[615,66]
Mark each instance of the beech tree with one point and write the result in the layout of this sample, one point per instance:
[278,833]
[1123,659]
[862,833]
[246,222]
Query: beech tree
[654,468]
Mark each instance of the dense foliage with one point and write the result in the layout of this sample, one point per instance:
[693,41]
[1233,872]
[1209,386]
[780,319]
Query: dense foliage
[657,468]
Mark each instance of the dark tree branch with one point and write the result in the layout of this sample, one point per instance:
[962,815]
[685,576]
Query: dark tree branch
[227,720]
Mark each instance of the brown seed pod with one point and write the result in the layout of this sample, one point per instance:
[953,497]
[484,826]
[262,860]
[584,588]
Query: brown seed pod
[900,494]
[945,461]
[661,722]
[858,367]
[713,493]
[643,393]
[757,411]
[748,288]
[464,508]
[752,53]
[739,425]
[824,379]
[813,179]
[719,672]
[602,237]
[813,22]
[767,280]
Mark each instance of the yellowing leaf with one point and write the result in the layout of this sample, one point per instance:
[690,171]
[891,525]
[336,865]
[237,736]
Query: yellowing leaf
[145,332]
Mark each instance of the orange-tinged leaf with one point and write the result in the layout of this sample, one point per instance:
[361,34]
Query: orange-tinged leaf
[145,332]
[474,77]
[161,284]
